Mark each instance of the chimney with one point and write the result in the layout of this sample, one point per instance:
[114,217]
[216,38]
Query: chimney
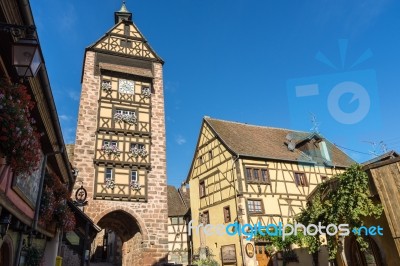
[183,187]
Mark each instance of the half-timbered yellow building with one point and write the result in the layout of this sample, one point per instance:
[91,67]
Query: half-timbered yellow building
[179,241]
[249,174]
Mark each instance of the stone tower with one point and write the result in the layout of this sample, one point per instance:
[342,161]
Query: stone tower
[120,144]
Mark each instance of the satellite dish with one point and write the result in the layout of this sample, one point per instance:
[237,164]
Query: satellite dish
[291,146]
[289,136]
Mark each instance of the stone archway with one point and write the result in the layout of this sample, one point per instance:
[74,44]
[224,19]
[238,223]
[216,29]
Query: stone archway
[121,240]
[6,251]
[355,256]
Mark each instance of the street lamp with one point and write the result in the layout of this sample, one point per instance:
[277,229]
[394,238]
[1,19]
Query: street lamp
[26,56]
[5,221]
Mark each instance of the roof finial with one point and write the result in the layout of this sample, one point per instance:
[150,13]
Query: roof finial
[123,14]
[123,8]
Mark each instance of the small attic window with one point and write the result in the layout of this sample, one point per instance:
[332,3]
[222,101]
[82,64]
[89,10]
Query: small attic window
[126,43]
[126,30]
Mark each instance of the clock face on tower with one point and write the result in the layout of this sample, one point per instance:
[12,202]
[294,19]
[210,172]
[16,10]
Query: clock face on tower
[126,86]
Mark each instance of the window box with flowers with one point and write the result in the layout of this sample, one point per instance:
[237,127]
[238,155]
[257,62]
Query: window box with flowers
[138,150]
[53,205]
[135,186]
[110,148]
[19,139]
[110,183]
[128,117]
[146,92]
[106,85]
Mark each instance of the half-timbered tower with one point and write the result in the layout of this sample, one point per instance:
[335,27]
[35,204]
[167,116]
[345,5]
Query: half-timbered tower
[120,144]
[252,174]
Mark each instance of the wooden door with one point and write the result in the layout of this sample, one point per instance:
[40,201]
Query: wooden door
[261,255]
[5,254]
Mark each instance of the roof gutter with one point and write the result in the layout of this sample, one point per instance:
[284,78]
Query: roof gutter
[26,12]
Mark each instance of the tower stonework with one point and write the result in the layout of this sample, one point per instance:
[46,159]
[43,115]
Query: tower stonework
[120,148]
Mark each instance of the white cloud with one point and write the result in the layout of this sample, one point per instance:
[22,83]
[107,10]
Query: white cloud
[180,140]
[73,95]
[64,117]
[67,18]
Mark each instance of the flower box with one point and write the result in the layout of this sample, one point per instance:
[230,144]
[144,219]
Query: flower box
[136,152]
[110,149]
[127,118]
[135,185]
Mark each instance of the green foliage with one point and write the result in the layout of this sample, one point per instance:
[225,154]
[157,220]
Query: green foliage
[33,256]
[206,262]
[278,242]
[344,200]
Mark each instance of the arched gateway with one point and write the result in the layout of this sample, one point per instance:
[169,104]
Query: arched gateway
[120,146]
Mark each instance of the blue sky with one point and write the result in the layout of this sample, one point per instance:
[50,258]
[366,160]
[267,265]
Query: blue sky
[244,61]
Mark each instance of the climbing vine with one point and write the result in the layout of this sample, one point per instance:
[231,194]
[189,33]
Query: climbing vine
[342,200]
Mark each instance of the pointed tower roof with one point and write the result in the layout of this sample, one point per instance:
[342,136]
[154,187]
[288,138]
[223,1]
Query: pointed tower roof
[123,8]
[122,14]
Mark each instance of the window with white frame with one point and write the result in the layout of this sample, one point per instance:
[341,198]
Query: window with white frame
[110,143]
[108,173]
[125,112]
[137,146]
[134,176]
[255,206]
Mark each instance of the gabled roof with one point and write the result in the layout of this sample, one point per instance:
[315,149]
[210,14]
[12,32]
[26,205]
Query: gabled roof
[271,143]
[176,206]
[139,48]
[383,157]
[185,196]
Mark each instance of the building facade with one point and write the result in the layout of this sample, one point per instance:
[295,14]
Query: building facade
[179,241]
[120,143]
[384,179]
[249,174]
[31,145]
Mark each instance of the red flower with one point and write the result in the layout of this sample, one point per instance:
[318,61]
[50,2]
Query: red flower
[20,141]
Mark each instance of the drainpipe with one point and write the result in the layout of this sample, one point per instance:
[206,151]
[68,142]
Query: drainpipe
[19,248]
[236,205]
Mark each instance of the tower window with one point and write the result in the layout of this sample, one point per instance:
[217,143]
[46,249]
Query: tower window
[126,44]
[108,174]
[110,143]
[137,146]
[125,112]
[134,176]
